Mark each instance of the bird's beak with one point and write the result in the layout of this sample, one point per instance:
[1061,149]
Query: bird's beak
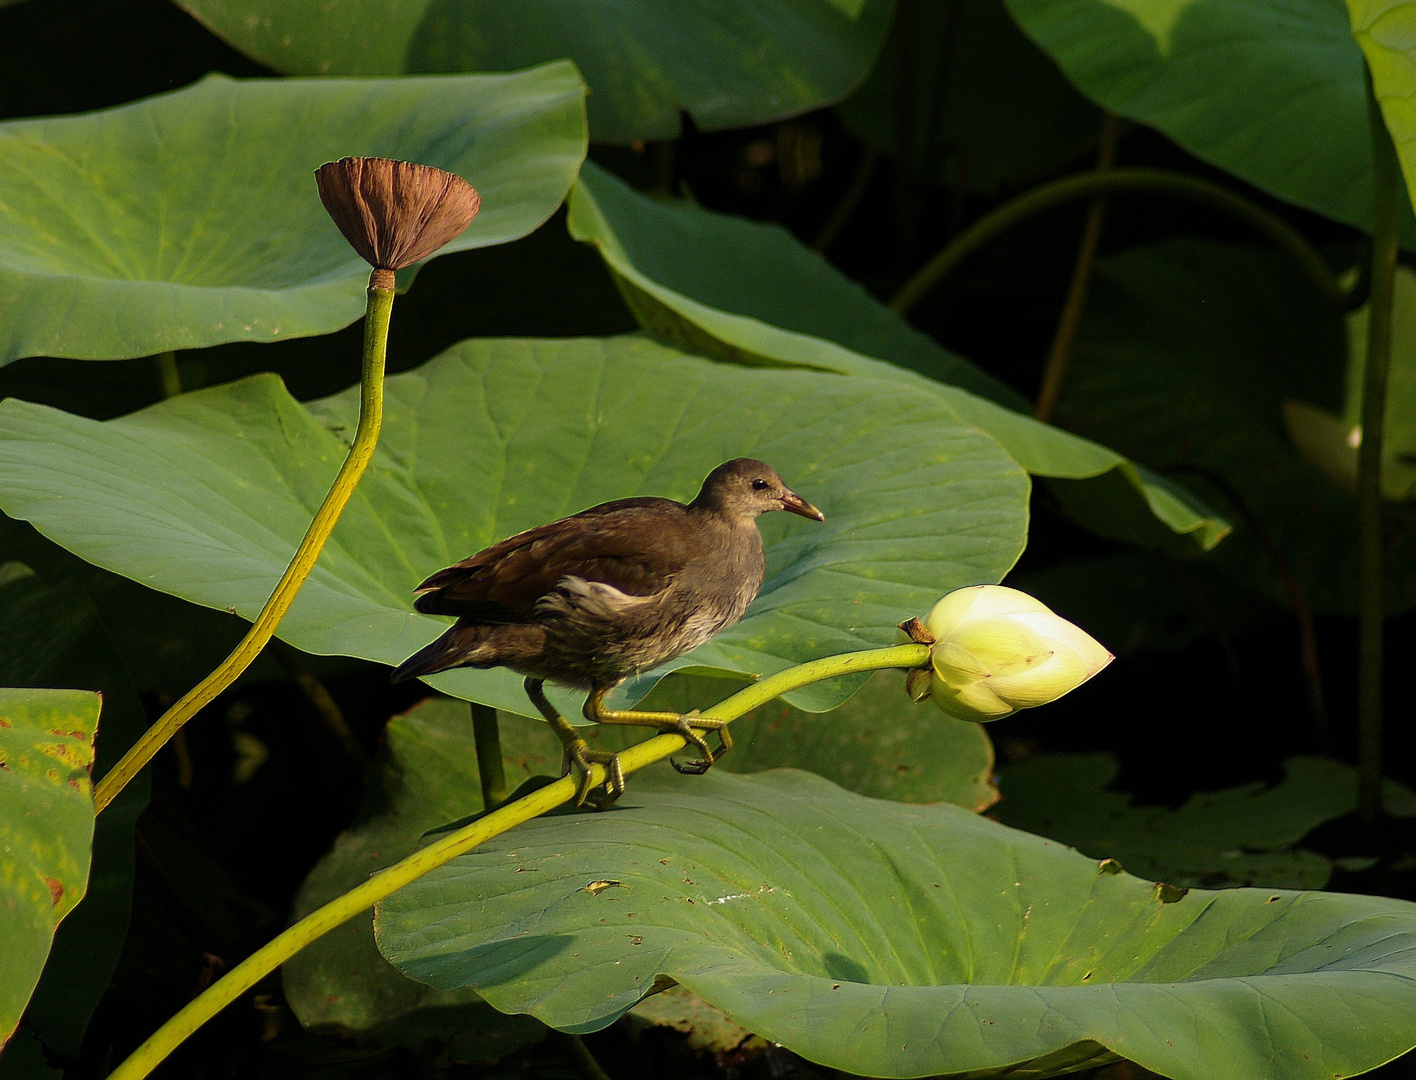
[797,505]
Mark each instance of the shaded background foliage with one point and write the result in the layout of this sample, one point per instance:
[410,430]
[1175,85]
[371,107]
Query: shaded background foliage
[961,111]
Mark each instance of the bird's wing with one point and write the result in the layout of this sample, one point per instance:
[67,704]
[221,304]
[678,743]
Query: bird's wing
[636,546]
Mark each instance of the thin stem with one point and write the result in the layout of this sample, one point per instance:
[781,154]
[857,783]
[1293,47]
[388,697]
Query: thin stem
[169,374]
[285,945]
[1371,608]
[490,769]
[1087,185]
[365,438]
[860,184]
[1054,372]
[580,1056]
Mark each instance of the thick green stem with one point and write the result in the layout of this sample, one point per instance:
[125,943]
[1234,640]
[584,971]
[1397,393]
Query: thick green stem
[365,438]
[1116,181]
[168,373]
[1371,607]
[490,769]
[270,956]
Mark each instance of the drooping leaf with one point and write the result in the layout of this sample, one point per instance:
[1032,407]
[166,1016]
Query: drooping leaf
[728,63]
[1185,357]
[961,97]
[1270,90]
[191,218]
[51,636]
[750,293]
[896,940]
[206,495]
[1240,836]
[46,828]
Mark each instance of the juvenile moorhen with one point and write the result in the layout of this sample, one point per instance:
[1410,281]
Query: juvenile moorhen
[610,592]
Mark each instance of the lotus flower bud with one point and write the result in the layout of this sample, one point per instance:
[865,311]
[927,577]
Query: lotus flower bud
[997,650]
[394,213]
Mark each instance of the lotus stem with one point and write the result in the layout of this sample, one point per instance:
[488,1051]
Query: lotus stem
[265,960]
[1059,356]
[490,769]
[1371,606]
[366,437]
[1116,181]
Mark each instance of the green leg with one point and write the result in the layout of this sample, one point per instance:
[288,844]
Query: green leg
[671,723]
[578,754]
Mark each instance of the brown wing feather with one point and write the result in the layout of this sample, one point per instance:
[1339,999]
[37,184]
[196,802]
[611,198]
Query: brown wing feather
[635,545]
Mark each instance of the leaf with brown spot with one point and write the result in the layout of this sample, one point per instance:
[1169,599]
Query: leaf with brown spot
[46,829]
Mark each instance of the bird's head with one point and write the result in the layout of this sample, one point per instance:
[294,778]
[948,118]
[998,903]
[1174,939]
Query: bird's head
[745,487]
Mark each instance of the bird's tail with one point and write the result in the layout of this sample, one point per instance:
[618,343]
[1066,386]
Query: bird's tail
[459,646]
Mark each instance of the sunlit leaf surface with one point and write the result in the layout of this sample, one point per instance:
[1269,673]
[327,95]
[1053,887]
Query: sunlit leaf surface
[191,218]
[896,940]
[751,293]
[206,495]
[428,777]
[1272,91]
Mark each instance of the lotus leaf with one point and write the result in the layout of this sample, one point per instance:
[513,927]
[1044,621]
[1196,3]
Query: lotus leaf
[896,940]
[728,63]
[191,218]
[46,828]
[751,293]
[206,495]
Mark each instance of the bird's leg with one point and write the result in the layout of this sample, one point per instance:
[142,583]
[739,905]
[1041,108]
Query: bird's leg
[577,753]
[682,724]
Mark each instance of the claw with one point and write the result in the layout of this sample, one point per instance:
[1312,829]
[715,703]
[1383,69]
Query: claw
[685,728]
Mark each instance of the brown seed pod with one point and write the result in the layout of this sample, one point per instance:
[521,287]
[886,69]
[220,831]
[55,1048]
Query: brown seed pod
[394,213]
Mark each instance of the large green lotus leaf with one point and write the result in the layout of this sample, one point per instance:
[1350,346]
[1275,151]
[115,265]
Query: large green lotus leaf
[46,828]
[51,636]
[960,96]
[728,63]
[191,218]
[1186,355]
[206,495]
[427,775]
[898,940]
[1240,836]
[751,293]
[1272,91]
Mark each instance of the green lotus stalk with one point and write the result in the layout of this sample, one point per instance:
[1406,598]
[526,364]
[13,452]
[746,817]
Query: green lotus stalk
[285,945]
[393,214]
[1371,605]
[1118,181]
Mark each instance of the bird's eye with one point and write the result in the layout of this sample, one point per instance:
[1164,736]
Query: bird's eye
[759,485]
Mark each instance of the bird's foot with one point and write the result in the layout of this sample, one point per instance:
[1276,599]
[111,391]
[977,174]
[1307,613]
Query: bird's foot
[685,726]
[579,757]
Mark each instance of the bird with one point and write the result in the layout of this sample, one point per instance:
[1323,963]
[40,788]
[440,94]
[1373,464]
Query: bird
[613,591]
